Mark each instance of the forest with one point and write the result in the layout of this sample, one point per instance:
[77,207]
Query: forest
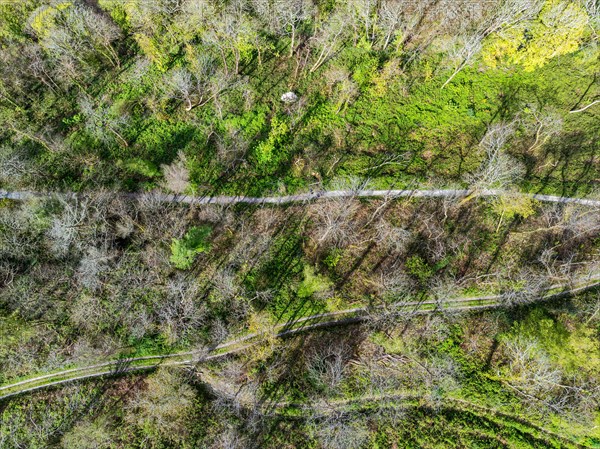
[324,224]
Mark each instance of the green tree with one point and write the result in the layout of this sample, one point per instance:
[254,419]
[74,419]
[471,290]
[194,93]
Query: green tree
[558,30]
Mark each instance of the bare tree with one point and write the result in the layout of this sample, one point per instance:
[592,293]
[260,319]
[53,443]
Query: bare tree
[389,20]
[231,147]
[529,368]
[181,313]
[162,409]
[231,439]
[327,40]
[341,87]
[177,175]
[77,32]
[339,430]
[193,87]
[285,16]
[13,166]
[334,222]
[364,16]
[91,266]
[499,170]
[63,231]
[509,14]
[87,434]
[99,119]
[327,365]
[525,287]
[546,126]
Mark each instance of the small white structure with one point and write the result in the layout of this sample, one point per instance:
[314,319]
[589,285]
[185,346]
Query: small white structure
[289,97]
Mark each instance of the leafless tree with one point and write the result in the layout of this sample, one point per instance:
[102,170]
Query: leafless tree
[63,231]
[509,14]
[91,267]
[339,430]
[327,39]
[13,166]
[177,175]
[285,16]
[363,14]
[389,19]
[526,286]
[231,439]
[162,409]
[499,170]
[327,365]
[99,32]
[194,87]
[334,222]
[100,119]
[78,33]
[341,87]
[40,67]
[546,126]
[528,366]
[87,434]
[232,147]
[180,313]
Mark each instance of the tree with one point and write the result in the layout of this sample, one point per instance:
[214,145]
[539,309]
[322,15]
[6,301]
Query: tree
[342,89]
[326,365]
[179,314]
[524,287]
[91,266]
[389,21]
[193,87]
[499,170]
[507,18]
[86,435]
[558,30]
[177,175]
[162,410]
[509,206]
[364,12]
[40,67]
[233,33]
[334,222]
[75,33]
[529,371]
[63,231]
[285,16]
[231,439]
[341,430]
[546,126]
[99,119]
[13,166]
[327,39]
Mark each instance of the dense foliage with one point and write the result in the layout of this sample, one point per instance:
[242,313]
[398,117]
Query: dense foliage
[124,101]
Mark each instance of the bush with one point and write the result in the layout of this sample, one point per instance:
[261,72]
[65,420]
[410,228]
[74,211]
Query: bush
[185,250]
[312,283]
[418,268]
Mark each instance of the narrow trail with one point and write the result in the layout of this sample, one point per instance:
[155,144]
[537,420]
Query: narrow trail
[306,197]
[282,330]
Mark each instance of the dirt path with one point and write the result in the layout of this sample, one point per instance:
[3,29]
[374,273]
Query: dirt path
[305,324]
[304,197]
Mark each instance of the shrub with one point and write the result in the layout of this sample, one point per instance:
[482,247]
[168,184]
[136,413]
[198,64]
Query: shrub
[185,250]
[264,150]
[418,268]
[312,283]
